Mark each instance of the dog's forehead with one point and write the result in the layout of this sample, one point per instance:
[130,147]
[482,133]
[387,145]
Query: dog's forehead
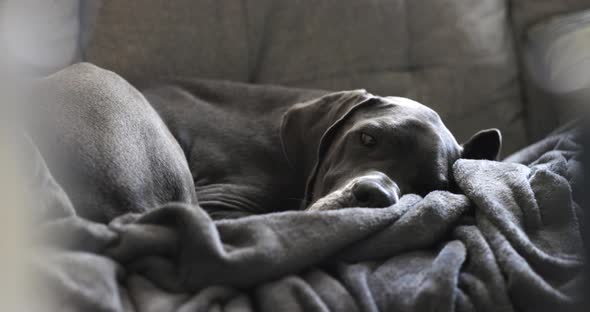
[403,117]
[405,106]
[398,112]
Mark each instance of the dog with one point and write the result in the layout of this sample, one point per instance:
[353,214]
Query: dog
[237,149]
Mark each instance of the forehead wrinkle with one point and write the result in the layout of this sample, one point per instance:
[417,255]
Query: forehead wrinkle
[362,121]
[397,109]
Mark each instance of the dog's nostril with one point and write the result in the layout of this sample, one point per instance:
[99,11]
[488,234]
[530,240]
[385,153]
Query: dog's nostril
[362,191]
[371,194]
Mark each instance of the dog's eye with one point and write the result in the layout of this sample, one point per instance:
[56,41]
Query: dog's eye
[367,140]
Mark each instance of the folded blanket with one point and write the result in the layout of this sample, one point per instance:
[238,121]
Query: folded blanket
[510,241]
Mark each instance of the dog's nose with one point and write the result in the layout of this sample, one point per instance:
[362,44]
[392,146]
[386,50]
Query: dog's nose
[371,193]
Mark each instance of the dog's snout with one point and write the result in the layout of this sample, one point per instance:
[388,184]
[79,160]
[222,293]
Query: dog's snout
[371,193]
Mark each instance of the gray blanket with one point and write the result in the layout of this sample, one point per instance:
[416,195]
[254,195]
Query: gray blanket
[510,242]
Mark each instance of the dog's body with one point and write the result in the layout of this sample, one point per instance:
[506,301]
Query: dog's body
[256,149]
[233,143]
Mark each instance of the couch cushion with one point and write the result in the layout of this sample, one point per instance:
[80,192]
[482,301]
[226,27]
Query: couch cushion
[455,56]
[151,38]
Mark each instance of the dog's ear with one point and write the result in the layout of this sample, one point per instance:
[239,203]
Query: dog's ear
[307,126]
[486,144]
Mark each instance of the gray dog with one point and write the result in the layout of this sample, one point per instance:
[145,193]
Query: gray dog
[241,149]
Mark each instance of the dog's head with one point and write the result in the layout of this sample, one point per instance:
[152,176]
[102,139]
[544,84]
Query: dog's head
[359,150]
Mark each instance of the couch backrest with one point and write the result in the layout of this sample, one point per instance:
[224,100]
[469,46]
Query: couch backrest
[455,56]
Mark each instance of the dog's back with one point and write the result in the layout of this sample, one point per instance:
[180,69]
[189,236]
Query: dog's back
[106,146]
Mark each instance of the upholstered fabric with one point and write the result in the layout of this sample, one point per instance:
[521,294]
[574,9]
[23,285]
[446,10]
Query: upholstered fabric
[151,38]
[455,56]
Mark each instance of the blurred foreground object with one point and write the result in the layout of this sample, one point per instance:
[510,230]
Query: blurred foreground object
[13,233]
[40,36]
[557,60]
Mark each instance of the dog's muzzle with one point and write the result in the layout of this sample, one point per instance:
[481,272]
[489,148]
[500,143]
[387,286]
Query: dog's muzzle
[375,190]
[371,190]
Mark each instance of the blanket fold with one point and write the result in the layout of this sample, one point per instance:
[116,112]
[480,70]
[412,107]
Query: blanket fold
[510,241]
